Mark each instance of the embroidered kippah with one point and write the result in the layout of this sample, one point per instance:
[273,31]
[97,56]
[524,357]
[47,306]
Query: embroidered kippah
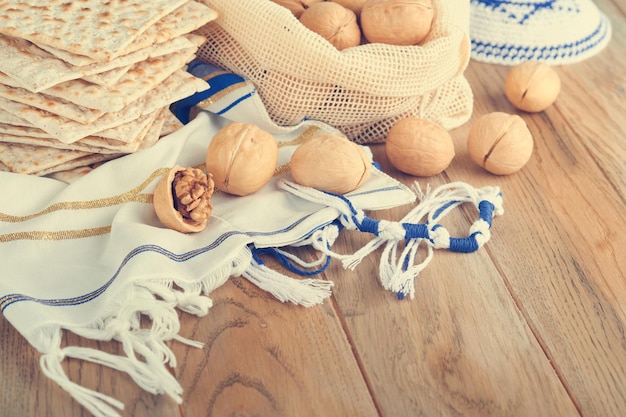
[552,31]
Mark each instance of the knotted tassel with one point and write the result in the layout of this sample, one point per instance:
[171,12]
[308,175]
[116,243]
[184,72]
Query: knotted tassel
[420,227]
[399,271]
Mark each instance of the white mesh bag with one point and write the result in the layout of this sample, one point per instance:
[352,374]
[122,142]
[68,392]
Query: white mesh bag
[362,91]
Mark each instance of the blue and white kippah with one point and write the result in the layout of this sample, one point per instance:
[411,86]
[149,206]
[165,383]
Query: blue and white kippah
[556,32]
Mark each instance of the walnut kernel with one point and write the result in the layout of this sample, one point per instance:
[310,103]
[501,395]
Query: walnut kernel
[182,199]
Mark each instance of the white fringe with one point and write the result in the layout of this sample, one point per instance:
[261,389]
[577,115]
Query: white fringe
[305,292]
[146,354]
[99,405]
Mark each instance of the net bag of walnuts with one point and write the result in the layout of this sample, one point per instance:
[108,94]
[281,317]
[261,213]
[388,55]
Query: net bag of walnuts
[362,90]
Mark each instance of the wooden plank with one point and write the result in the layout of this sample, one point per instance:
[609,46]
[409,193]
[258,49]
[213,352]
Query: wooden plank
[564,259]
[26,391]
[461,347]
[555,278]
[262,357]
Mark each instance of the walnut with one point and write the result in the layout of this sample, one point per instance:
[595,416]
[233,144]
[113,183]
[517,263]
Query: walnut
[330,163]
[532,86]
[182,199]
[242,158]
[335,23]
[419,147]
[500,143]
[397,22]
[354,5]
[297,7]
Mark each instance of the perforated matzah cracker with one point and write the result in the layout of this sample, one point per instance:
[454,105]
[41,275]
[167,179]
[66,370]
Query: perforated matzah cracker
[96,144]
[97,29]
[179,85]
[136,82]
[36,70]
[27,159]
[64,108]
[187,18]
[107,78]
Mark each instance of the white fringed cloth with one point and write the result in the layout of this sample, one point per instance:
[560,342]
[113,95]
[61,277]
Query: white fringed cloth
[92,258]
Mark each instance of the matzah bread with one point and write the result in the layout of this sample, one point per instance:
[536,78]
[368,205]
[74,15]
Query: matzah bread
[97,29]
[85,82]
[87,160]
[154,132]
[36,70]
[108,78]
[68,176]
[171,124]
[184,20]
[63,129]
[50,104]
[12,119]
[28,159]
[94,144]
[53,143]
[176,87]
[127,132]
[21,130]
[10,89]
[139,80]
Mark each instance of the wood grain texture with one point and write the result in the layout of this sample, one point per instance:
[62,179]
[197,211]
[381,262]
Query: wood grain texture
[246,368]
[533,324]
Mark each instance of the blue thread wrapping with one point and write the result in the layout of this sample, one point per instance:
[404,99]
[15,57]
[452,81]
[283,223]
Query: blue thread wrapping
[485,209]
[368,225]
[346,200]
[416,231]
[286,262]
[464,244]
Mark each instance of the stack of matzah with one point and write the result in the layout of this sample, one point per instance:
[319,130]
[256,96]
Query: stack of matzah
[86,81]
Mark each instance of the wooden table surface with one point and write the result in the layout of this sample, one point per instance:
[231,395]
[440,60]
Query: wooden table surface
[533,324]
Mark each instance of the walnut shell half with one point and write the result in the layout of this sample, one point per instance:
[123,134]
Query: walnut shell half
[182,199]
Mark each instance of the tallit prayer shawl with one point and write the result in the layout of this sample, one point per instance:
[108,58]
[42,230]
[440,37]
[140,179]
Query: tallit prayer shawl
[91,257]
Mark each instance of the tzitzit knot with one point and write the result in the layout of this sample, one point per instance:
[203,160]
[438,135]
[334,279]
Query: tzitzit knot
[391,230]
[481,231]
[440,237]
